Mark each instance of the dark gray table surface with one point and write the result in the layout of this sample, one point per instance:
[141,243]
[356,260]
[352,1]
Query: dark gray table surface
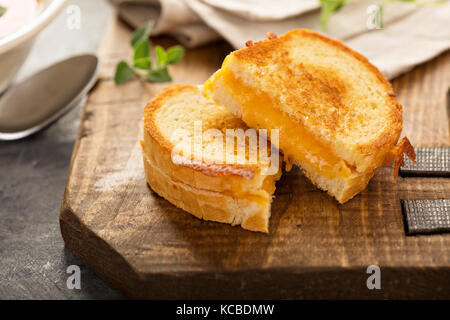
[33,172]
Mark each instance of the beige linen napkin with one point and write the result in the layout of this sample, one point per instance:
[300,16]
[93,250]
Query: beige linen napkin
[411,35]
[172,17]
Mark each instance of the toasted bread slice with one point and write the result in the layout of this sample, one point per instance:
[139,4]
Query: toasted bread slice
[337,115]
[198,177]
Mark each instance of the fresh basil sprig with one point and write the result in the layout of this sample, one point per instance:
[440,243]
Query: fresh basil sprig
[142,63]
[2,10]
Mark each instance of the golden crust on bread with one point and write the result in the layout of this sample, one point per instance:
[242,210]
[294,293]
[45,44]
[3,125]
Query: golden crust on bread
[305,82]
[232,193]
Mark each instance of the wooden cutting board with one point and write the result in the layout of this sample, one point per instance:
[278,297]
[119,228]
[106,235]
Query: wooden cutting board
[147,248]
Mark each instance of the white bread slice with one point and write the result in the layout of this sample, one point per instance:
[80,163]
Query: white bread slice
[337,115]
[210,189]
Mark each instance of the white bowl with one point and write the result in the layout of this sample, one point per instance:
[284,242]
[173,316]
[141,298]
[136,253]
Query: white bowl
[15,48]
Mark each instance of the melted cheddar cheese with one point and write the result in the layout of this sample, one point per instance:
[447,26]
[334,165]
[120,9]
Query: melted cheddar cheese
[295,141]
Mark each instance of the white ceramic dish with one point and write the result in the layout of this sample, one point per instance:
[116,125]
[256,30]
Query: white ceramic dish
[15,47]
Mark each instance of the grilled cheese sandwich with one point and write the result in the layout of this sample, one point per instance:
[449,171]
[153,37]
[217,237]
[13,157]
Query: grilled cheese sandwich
[337,116]
[197,177]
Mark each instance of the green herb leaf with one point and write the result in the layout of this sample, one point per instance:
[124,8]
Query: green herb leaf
[141,50]
[379,18]
[328,8]
[2,10]
[161,56]
[123,73]
[142,33]
[174,54]
[159,75]
[143,63]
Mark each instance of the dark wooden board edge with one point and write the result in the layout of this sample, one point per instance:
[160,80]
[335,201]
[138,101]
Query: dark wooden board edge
[320,283]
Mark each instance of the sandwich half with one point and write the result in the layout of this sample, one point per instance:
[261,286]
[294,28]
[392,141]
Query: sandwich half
[337,115]
[190,161]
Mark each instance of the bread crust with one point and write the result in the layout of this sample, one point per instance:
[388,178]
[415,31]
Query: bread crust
[208,205]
